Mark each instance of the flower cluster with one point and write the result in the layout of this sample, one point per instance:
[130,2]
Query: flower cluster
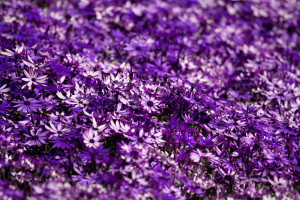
[177,99]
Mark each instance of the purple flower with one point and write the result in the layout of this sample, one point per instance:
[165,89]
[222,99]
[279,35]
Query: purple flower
[33,78]
[17,51]
[155,137]
[150,104]
[28,105]
[57,130]
[119,127]
[36,137]
[136,48]
[91,138]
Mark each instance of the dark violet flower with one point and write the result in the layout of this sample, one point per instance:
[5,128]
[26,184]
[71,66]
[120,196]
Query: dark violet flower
[136,48]
[61,142]
[28,105]
[4,107]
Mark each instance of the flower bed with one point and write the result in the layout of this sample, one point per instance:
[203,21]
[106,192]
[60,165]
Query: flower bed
[178,99]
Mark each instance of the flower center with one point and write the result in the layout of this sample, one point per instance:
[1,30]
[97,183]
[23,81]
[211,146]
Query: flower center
[92,141]
[150,103]
[277,158]
[140,140]
[134,154]
[33,79]
[27,103]
[35,137]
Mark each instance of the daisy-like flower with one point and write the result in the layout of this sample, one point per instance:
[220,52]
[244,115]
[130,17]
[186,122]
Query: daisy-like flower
[60,69]
[96,127]
[91,73]
[150,103]
[119,126]
[57,130]
[135,49]
[275,157]
[268,197]
[188,118]
[173,192]
[59,117]
[117,80]
[132,151]
[36,138]
[61,142]
[28,61]
[78,101]
[141,138]
[129,101]
[5,136]
[17,51]
[33,78]
[155,137]
[278,95]
[119,113]
[27,105]
[5,65]
[159,65]
[107,67]
[91,138]
[278,182]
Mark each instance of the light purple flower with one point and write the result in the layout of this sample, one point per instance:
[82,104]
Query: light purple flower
[36,137]
[33,78]
[91,138]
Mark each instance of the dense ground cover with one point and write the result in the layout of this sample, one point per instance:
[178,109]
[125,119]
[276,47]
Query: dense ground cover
[178,99]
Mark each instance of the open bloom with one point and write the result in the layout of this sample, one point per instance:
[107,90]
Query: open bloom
[57,130]
[150,103]
[155,138]
[140,138]
[119,127]
[91,138]
[29,104]
[18,51]
[36,138]
[278,181]
[78,101]
[33,78]
[135,49]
